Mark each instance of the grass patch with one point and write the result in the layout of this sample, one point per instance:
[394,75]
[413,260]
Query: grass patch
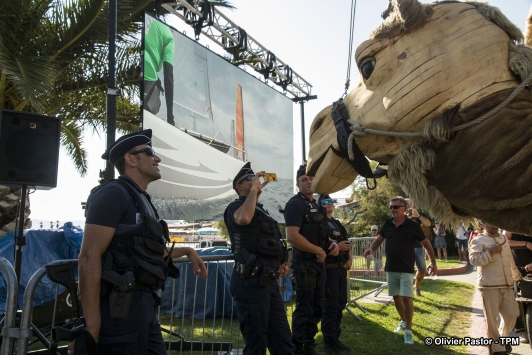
[452,262]
[444,309]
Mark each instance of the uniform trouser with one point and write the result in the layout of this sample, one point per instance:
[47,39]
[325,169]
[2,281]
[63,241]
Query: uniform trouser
[335,301]
[499,301]
[140,334]
[261,316]
[310,292]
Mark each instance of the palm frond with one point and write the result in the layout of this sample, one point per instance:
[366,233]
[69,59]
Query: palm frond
[71,139]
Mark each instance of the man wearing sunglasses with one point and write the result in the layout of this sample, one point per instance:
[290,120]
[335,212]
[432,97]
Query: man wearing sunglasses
[401,233]
[336,281]
[308,234]
[124,257]
[260,259]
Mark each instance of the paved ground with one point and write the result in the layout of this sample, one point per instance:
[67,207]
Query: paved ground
[478,323]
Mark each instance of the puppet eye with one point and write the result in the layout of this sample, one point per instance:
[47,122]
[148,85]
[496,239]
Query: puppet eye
[366,67]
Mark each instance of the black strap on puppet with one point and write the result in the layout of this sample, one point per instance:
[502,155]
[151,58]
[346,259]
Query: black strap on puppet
[359,163]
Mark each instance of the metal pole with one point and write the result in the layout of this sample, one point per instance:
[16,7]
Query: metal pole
[302,101]
[111,87]
[302,106]
[20,239]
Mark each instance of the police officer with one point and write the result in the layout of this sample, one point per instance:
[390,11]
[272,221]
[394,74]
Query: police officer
[336,282]
[124,257]
[260,258]
[306,231]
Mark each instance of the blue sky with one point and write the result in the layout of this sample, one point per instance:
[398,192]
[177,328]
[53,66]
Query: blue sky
[309,35]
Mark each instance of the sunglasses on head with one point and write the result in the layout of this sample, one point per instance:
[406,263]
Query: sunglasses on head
[395,207]
[327,201]
[148,151]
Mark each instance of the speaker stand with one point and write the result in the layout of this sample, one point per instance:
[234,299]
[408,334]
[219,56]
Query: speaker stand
[20,238]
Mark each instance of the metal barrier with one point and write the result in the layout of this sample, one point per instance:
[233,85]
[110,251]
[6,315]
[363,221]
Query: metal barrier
[367,275]
[198,315]
[9,332]
[198,333]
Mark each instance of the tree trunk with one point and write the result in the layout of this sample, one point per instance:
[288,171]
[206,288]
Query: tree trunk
[9,203]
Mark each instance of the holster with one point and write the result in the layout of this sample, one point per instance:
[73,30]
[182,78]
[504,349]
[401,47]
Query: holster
[248,268]
[122,294]
[304,281]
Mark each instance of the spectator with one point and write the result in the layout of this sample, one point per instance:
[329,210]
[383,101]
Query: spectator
[421,266]
[439,240]
[462,237]
[376,257]
[496,272]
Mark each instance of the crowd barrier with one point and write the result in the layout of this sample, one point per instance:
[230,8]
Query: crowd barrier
[366,275]
[197,316]
[9,332]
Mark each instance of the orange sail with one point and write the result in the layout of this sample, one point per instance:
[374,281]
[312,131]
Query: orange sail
[239,125]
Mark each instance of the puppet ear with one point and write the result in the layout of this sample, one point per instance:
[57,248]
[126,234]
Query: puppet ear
[411,12]
[528,31]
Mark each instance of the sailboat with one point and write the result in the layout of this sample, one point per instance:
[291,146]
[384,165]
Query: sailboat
[196,165]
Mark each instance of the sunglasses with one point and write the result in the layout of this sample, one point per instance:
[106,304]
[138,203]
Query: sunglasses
[327,201]
[374,230]
[395,207]
[246,178]
[148,151]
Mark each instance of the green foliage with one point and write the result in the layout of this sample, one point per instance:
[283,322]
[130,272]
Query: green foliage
[374,204]
[54,61]
[223,229]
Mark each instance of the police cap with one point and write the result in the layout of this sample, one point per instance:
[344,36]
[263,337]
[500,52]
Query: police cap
[125,143]
[245,170]
[301,171]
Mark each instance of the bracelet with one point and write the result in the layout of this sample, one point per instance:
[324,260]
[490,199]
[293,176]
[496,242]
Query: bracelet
[321,252]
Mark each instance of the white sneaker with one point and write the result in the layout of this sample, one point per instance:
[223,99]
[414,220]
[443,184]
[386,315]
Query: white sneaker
[523,338]
[401,326]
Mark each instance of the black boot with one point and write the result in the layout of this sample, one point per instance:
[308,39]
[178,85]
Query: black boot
[341,346]
[309,349]
[331,349]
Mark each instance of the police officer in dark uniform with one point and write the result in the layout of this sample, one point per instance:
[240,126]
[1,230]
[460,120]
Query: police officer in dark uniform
[336,282]
[306,231]
[260,258]
[124,257]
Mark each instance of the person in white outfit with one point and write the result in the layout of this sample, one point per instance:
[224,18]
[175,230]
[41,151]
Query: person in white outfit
[490,252]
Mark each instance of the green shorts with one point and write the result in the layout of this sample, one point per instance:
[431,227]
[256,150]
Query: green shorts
[400,283]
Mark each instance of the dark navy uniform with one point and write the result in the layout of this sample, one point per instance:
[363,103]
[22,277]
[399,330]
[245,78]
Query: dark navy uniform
[258,253]
[126,207]
[335,287]
[309,274]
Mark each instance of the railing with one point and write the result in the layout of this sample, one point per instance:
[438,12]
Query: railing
[196,315]
[367,275]
[9,332]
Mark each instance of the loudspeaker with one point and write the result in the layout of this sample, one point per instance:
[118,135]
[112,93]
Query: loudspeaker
[29,149]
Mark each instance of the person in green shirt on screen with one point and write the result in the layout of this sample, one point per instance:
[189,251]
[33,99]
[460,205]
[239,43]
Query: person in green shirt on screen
[159,55]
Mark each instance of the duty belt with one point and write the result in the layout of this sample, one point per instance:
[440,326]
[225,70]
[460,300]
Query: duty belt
[333,265]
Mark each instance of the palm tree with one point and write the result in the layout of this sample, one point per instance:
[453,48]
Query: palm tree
[53,61]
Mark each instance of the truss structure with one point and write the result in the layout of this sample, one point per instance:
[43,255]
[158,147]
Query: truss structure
[209,21]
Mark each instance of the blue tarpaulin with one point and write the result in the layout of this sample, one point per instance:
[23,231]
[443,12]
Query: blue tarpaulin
[42,247]
[212,296]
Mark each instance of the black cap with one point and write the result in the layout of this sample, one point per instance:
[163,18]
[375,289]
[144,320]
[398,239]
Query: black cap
[323,197]
[301,171]
[245,170]
[125,143]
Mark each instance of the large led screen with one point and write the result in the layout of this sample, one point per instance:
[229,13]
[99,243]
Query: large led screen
[208,118]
